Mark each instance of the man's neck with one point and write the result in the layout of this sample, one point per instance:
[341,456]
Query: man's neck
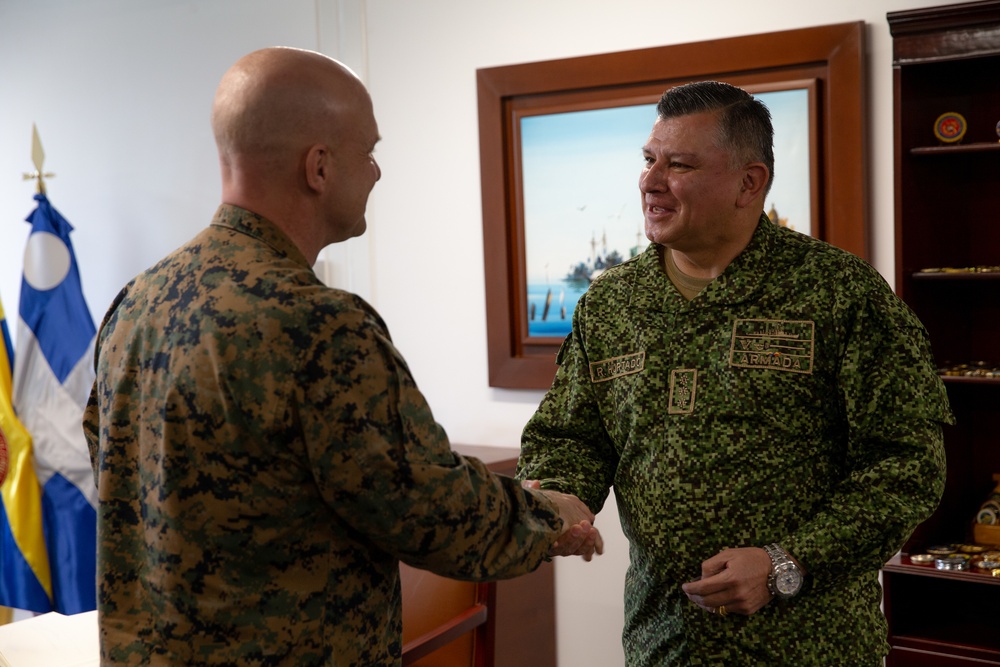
[708,263]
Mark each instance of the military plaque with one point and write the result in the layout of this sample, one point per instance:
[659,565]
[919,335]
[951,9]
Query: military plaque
[950,127]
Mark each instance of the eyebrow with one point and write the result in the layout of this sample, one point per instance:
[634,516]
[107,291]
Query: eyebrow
[675,155]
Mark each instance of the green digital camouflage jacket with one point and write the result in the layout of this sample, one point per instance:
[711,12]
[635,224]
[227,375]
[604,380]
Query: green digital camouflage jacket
[794,400]
[264,461]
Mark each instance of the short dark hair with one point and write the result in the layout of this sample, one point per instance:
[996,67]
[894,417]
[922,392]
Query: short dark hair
[745,128]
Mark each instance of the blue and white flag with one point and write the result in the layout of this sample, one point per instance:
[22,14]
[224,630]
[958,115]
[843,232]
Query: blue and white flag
[53,374]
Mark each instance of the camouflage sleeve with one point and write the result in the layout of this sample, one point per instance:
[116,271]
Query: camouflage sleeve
[92,413]
[895,405]
[386,468]
[91,426]
[565,445]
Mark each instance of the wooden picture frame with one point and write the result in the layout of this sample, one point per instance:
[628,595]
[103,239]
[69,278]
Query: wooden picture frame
[830,58]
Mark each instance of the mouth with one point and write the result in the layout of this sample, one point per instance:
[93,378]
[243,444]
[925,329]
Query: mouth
[656,210]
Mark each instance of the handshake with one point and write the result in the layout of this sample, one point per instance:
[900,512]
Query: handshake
[579,536]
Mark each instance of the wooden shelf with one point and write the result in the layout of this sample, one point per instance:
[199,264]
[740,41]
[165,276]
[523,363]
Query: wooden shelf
[958,276]
[941,617]
[950,149]
[962,379]
[901,564]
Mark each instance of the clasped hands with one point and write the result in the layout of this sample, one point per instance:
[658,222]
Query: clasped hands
[579,536]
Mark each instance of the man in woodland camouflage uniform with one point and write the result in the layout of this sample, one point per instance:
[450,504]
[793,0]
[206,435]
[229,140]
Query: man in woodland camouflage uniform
[263,456]
[766,409]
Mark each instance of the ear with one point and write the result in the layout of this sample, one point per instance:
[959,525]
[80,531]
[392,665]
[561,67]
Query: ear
[318,167]
[755,178]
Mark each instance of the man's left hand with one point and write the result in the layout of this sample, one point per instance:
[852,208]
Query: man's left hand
[734,581]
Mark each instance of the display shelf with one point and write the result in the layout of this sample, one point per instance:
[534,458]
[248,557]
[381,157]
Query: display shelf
[931,610]
[947,218]
[956,276]
[977,147]
[901,564]
[958,379]
[975,372]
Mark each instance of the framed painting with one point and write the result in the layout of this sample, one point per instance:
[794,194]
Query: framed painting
[560,146]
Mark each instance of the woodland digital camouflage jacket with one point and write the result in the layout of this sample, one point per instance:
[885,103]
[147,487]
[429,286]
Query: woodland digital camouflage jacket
[264,459]
[794,400]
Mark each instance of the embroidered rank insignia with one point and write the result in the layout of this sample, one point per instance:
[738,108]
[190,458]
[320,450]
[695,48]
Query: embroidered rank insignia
[683,383]
[780,345]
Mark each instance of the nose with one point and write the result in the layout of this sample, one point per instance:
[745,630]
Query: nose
[378,170]
[650,180]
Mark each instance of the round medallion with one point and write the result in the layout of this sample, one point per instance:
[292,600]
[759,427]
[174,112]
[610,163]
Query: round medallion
[951,563]
[950,127]
[941,550]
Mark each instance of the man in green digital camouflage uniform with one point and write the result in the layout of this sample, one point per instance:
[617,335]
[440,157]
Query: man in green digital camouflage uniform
[263,457]
[766,409]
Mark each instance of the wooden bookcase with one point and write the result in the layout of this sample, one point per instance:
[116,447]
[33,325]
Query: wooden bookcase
[947,225]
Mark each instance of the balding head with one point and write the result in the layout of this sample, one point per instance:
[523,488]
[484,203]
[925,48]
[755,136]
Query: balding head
[278,99]
[295,132]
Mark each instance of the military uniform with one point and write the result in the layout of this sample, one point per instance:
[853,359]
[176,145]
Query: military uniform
[264,460]
[794,400]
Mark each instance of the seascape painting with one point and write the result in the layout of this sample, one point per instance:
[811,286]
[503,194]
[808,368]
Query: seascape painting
[582,207]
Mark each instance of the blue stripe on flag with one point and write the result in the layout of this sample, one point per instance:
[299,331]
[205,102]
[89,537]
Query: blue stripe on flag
[8,347]
[72,548]
[19,587]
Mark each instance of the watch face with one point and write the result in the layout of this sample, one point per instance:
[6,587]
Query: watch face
[787,582]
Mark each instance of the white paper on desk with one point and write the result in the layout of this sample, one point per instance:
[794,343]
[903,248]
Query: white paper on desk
[51,640]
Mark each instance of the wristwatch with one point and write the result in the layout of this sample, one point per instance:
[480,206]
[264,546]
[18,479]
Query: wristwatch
[785,580]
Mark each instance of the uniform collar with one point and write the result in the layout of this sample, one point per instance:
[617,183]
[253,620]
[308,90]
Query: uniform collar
[249,223]
[652,289]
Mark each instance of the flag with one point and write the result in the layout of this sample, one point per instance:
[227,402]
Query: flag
[53,374]
[24,563]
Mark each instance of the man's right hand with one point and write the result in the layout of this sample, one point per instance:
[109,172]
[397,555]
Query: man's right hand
[579,536]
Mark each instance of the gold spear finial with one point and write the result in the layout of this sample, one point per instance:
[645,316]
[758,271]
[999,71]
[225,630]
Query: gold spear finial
[38,159]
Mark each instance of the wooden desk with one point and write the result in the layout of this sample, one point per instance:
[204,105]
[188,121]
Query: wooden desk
[519,626]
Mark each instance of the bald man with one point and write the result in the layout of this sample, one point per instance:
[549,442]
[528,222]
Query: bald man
[263,456]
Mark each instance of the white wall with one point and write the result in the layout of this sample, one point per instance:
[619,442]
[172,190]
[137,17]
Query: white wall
[121,92]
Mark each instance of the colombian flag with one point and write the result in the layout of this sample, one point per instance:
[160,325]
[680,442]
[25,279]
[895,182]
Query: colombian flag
[25,582]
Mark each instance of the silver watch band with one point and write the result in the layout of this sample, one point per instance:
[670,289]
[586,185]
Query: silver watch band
[783,567]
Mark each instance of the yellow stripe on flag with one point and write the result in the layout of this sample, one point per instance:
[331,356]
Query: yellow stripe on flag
[20,491]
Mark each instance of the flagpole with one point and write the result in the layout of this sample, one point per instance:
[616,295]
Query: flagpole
[38,159]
